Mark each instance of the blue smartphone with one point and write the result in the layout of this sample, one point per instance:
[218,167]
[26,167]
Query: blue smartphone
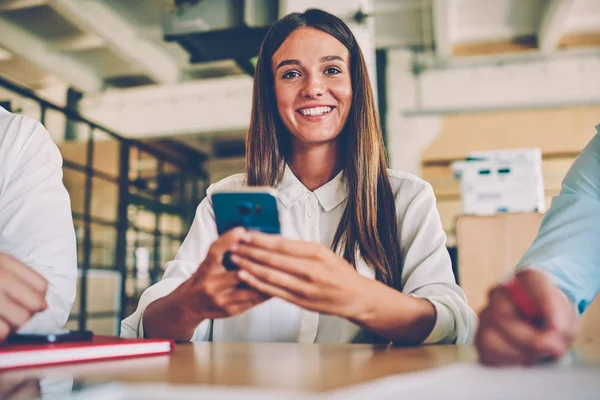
[254,208]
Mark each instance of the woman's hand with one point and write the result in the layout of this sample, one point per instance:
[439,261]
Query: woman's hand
[22,294]
[211,293]
[307,274]
[313,277]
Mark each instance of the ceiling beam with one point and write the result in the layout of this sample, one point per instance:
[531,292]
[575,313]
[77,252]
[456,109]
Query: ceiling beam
[552,24]
[13,5]
[172,110]
[121,37]
[28,46]
[79,43]
[442,15]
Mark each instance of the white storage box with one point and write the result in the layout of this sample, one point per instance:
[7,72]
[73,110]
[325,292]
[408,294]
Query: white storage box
[489,188]
[506,181]
[506,157]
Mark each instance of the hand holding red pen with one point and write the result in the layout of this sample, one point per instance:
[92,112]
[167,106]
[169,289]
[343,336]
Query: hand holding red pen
[527,319]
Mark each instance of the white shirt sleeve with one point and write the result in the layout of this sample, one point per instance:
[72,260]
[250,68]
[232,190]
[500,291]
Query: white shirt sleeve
[427,269]
[192,252]
[36,225]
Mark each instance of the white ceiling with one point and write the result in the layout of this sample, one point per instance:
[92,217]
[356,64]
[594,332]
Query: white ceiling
[91,43]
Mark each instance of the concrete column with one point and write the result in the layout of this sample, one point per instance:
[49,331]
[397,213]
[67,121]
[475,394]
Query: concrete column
[407,137]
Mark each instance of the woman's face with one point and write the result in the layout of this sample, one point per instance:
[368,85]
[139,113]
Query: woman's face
[313,88]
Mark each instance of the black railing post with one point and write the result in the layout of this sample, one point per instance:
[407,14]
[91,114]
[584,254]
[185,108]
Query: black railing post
[43,109]
[87,231]
[158,210]
[123,224]
[73,99]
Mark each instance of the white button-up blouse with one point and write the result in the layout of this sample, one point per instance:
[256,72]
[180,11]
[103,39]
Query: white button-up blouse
[36,226]
[314,216]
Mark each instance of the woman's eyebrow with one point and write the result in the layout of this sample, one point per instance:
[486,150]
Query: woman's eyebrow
[331,58]
[297,62]
[288,62]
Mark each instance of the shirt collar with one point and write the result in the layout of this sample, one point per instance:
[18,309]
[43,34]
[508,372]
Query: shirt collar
[3,110]
[330,195]
[290,189]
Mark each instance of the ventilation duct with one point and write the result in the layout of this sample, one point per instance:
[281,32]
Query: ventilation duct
[213,30]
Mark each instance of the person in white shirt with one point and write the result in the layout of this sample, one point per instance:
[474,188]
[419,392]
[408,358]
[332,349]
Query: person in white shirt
[362,255]
[38,261]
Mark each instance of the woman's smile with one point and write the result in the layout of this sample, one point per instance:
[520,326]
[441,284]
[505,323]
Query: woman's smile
[315,113]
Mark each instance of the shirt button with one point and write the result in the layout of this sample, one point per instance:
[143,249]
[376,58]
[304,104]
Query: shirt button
[311,214]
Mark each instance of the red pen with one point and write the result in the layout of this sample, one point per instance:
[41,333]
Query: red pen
[522,299]
[527,307]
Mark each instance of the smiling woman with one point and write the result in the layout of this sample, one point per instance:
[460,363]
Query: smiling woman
[362,254]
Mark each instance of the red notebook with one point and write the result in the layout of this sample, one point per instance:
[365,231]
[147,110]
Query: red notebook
[100,348]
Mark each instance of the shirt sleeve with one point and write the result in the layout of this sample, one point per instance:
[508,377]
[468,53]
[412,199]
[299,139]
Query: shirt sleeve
[192,252]
[38,226]
[568,243]
[427,269]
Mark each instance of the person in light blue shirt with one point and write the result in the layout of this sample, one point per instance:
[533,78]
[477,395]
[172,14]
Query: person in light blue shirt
[559,275]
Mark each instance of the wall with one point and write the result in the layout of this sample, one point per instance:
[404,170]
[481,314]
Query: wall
[407,137]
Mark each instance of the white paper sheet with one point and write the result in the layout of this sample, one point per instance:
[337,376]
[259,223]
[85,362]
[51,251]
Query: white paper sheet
[457,381]
[472,381]
[119,391]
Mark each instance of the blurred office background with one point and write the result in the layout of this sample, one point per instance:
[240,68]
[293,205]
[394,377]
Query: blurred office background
[149,101]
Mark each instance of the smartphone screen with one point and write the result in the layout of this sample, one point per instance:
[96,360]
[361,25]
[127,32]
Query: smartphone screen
[63,336]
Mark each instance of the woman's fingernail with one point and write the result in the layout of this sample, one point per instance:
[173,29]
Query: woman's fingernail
[243,275]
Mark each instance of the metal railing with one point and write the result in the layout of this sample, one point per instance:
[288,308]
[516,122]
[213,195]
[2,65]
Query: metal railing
[131,194]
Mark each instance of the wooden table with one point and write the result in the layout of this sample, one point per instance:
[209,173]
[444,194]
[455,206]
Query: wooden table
[273,365]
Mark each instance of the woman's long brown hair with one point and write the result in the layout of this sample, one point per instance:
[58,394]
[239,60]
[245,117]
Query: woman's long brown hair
[369,222]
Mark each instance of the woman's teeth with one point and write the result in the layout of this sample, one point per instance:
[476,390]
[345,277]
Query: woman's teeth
[315,111]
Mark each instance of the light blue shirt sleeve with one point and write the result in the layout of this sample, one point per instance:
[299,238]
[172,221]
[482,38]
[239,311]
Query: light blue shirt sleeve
[568,243]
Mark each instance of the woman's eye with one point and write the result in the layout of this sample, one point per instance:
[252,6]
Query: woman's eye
[332,71]
[290,75]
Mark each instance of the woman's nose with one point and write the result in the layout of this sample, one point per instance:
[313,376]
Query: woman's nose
[314,88]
